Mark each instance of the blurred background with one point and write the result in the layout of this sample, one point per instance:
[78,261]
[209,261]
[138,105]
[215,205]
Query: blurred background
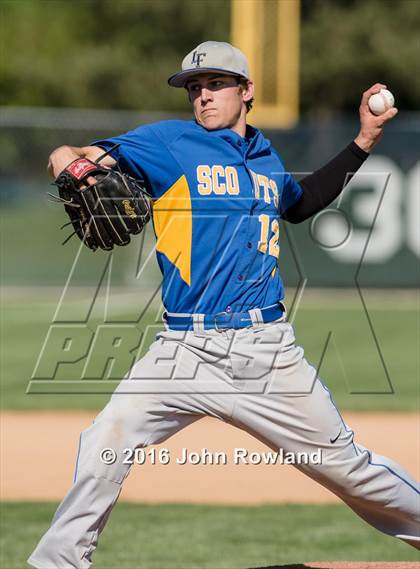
[76,71]
[73,72]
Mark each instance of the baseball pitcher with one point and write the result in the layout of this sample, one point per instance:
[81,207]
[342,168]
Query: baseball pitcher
[216,192]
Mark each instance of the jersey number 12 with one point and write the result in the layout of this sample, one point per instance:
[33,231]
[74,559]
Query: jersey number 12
[264,246]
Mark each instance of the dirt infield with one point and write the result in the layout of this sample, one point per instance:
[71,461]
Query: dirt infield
[38,451]
[350,565]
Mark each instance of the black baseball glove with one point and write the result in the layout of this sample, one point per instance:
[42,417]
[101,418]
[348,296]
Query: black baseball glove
[105,213]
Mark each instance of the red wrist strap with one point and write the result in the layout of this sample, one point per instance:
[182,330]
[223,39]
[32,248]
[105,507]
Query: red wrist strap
[80,167]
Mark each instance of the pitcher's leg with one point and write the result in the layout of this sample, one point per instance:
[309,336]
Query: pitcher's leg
[303,418]
[380,491]
[133,418]
[83,513]
[159,399]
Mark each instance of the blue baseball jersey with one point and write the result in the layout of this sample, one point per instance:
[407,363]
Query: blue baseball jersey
[217,201]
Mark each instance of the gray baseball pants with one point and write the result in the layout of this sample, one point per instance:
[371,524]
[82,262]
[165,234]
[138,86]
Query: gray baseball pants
[254,378]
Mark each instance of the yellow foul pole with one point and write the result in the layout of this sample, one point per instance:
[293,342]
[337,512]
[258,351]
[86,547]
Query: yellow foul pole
[267,31]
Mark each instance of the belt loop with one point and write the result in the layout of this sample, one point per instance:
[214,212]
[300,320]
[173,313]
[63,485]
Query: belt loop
[256,316]
[283,308]
[165,320]
[198,322]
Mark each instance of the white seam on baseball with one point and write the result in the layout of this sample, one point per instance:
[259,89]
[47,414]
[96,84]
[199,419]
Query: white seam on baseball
[385,101]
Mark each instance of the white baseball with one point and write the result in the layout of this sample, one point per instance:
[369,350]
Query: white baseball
[381,102]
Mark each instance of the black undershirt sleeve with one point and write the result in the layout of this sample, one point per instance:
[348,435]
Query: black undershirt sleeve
[322,186]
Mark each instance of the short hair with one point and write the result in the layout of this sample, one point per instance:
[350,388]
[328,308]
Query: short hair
[243,82]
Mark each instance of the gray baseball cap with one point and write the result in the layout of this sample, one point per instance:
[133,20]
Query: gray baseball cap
[211,56]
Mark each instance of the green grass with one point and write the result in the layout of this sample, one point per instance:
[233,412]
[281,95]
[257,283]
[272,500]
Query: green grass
[351,366]
[43,260]
[371,360]
[191,537]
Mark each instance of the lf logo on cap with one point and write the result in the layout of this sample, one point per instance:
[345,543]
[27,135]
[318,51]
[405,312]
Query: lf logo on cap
[197,58]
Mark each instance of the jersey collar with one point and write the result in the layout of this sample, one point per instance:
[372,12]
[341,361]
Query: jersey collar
[253,144]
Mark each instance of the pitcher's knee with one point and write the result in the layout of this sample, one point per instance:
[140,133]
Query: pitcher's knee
[102,448]
[347,477]
[127,419]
